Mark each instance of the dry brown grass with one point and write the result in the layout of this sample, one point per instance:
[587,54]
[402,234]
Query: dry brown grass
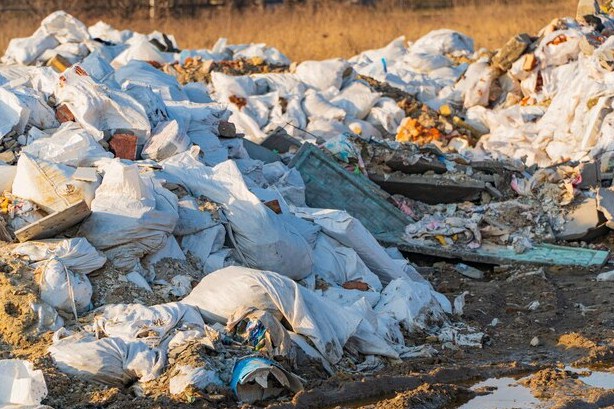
[308,33]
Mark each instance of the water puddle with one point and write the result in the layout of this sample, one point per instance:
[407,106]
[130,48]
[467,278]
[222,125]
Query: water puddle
[596,379]
[505,393]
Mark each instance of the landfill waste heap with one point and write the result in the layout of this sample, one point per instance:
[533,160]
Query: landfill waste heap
[166,226]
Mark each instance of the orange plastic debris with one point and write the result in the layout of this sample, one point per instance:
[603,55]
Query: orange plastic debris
[413,131]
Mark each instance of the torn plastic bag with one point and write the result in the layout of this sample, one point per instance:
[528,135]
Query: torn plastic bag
[443,42]
[139,48]
[263,332]
[63,289]
[356,100]
[290,117]
[191,218]
[144,74]
[369,338]
[288,182]
[351,233]
[98,108]
[316,106]
[13,115]
[21,384]
[65,28]
[109,361]
[131,215]
[167,139]
[387,114]
[70,145]
[7,175]
[263,240]
[247,125]
[322,75]
[25,51]
[199,378]
[411,303]
[151,325]
[476,84]
[338,264]
[201,244]
[49,185]
[154,106]
[40,114]
[221,293]
[76,254]
[256,379]
[226,86]
[170,250]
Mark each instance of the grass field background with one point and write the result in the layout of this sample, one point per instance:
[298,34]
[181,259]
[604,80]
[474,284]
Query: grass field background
[309,32]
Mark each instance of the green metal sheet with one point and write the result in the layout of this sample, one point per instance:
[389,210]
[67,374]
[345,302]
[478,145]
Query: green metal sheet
[330,186]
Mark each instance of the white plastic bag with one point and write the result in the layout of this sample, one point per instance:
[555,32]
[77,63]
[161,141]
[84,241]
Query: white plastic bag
[98,108]
[264,241]
[76,254]
[221,293]
[322,75]
[131,215]
[109,361]
[60,287]
[20,384]
[70,145]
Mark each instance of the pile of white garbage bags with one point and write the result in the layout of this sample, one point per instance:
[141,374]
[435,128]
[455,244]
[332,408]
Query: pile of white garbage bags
[187,191]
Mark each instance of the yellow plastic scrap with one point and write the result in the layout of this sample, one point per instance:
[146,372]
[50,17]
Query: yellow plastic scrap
[441,239]
[445,110]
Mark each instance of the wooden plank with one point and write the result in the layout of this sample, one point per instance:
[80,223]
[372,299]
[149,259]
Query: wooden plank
[329,186]
[55,223]
[541,254]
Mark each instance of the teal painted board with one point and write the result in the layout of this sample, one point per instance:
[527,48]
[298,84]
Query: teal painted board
[329,186]
[542,254]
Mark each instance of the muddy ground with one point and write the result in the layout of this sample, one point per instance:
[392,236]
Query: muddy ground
[573,323]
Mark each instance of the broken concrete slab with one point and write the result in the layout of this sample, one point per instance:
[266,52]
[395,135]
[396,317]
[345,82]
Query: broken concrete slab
[591,174]
[540,254]
[605,204]
[55,223]
[430,189]
[584,222]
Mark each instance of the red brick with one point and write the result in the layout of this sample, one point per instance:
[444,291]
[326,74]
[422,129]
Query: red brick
[123,146]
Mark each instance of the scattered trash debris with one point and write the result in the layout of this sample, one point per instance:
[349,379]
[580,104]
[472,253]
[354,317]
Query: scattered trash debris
[224,220]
